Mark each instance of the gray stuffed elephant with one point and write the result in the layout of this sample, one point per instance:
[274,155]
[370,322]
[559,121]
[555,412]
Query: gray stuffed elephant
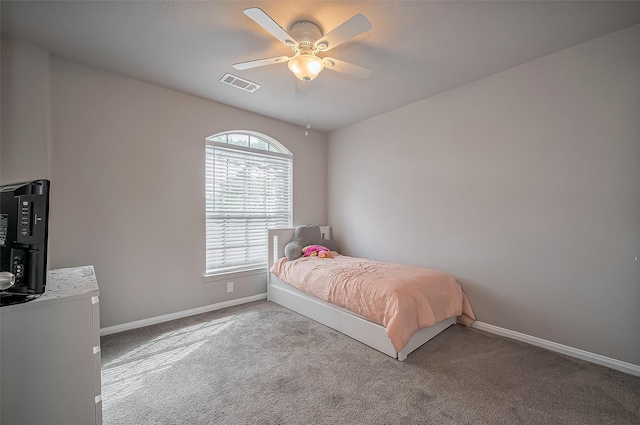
[304,236]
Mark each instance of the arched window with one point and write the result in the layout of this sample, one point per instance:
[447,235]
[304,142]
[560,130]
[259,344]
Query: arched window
[248,189]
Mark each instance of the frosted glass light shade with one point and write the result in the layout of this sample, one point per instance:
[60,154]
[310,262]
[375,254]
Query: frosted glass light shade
[306,66]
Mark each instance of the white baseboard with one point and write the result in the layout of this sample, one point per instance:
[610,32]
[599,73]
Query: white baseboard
[562,349]
[179,315]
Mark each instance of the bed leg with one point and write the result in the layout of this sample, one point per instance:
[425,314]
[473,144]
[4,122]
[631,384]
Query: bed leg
[402,356]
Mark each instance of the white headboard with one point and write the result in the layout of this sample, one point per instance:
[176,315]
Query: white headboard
[325,231]
[278,238]
[276,241]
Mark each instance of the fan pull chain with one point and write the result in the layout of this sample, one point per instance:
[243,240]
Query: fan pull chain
[306,132]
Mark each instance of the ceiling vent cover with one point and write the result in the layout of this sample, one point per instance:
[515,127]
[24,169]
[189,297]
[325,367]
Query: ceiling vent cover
[240,83]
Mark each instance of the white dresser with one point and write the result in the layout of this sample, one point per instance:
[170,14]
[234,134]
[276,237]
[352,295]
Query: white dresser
[50,354]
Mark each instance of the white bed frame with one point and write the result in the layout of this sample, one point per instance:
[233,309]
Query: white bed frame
[335,317]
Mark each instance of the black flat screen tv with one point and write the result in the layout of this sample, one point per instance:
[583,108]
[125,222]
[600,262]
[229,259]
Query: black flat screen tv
[24,234]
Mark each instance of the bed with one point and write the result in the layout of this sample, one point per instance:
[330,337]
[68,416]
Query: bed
[344,320]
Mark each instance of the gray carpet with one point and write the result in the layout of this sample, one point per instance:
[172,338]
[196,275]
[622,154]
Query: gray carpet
[260,363]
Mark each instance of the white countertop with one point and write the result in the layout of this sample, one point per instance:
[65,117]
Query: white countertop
[71,281]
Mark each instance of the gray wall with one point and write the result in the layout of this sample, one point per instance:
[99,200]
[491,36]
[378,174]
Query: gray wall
[127,191]
[523,185]
[25,112]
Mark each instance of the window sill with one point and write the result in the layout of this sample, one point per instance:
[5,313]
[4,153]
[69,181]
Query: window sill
[234,274]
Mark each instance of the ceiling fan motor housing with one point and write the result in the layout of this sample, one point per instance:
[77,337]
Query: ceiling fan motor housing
[306,33]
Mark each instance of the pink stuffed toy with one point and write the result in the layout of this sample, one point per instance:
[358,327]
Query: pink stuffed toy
[317,250]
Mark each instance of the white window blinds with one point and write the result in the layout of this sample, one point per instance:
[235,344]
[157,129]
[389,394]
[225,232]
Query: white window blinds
[247,191]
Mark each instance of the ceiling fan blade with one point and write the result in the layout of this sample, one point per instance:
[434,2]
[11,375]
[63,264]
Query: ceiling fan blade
[260,62]
[265,21]
[344,32]
[347,68]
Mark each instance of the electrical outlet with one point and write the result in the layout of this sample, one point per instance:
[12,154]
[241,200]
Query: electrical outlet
[229,286]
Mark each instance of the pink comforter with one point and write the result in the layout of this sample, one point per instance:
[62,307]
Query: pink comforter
[401,298]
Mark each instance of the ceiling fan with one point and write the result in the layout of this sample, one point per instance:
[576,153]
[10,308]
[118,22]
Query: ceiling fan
[306,40]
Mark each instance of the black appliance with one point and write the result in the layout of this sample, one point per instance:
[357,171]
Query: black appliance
[24,233]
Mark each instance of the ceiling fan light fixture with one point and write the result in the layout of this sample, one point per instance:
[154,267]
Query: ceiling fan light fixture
[306,66]
[305,38]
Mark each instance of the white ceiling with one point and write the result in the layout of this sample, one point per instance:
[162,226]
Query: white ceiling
[416,48]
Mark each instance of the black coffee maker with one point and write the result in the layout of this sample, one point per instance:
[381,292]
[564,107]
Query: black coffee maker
[24,224]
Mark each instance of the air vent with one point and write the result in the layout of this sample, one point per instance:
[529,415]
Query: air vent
[240,83]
